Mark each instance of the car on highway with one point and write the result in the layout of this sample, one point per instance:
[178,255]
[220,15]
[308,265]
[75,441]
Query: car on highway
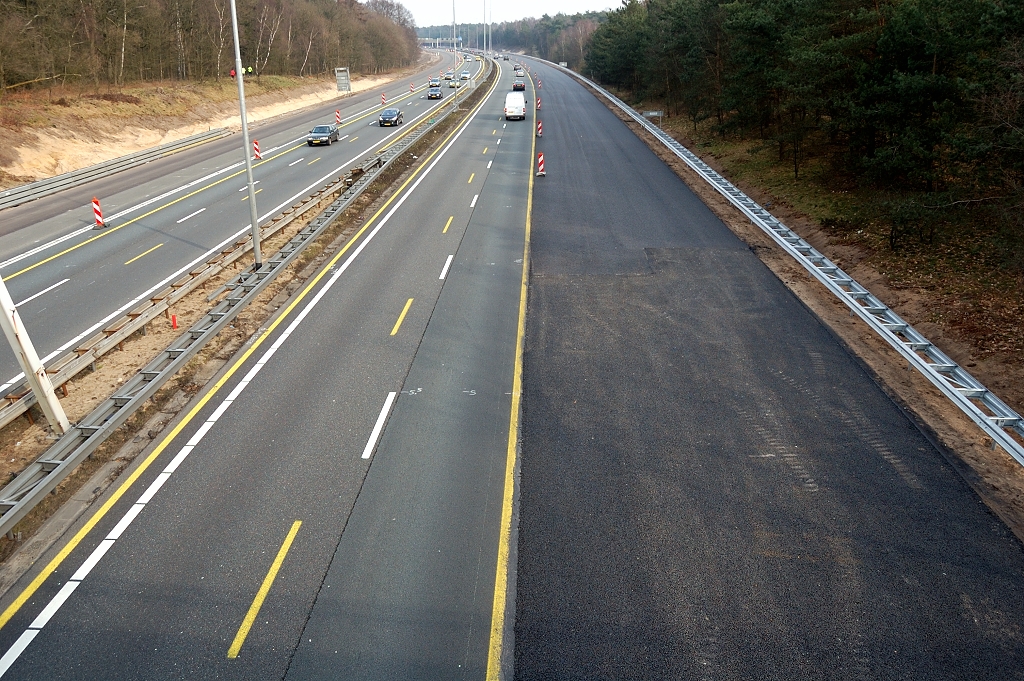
[390,117]
[515,106]
[435,93]
[464,75]
[504,57]
[323,134]
[454,83]
[517,67]
[520,73]
[434,82]
[518,84]
[449,74]
[479,59]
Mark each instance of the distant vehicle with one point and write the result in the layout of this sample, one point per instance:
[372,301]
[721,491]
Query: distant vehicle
[323,134]
[515,106]
[517,67]
[520,73]
[454,83]
[449,74]
[434,93]
[518,85]
[464,75]
[434,82]
[390,117]
[479,59]
[504,57]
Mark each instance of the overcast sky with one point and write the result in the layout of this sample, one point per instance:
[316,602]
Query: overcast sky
[437,12]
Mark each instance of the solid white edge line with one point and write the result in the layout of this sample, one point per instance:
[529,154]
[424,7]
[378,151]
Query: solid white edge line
[54,605]
[447,264]
[15,651]
[194,440]
[45,290]
[472,204]
[125,521]
[371,444]
[93,558]
[178,458]
[153,488]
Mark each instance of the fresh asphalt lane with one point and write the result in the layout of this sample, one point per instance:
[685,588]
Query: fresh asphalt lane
[66,295]
[269,472]
[712,487]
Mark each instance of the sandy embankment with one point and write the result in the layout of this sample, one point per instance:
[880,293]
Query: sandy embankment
[40,153]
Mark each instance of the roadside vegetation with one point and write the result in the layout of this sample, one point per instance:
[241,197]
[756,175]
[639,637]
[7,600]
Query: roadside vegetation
[898,125]
[106,44]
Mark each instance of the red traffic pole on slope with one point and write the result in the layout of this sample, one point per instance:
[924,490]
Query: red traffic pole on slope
[256,150]
[538,83]
[538,104]
[383,99]
[540,164]
[97,213]
[337,117]
[540,128]
[412,88]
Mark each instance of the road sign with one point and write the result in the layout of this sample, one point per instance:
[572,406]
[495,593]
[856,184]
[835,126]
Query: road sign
[341,75]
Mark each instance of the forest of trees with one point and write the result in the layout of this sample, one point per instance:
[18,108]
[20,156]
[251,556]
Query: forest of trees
[923,99]
[558,38]
[120,41]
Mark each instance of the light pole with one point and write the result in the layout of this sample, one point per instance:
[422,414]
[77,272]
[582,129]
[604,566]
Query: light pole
[246,150]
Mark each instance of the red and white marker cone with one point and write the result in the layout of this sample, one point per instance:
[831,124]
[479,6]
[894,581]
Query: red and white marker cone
[337,117]
[412,88]
[540,128]
[97,213]
[538,84]
[540,164]
[383,99]
[538,104]
[256,150]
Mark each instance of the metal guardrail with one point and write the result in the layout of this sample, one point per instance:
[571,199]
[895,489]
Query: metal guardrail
[16,196]
[46,472]
[990,413]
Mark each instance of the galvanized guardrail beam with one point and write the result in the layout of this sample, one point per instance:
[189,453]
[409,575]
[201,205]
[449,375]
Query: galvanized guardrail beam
[1001,423]
[15,196]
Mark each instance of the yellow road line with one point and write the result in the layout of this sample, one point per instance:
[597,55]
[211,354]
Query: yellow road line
[505,531]
[471,176]
[261,595]
[73,543]
[405,310]
[485,150]
[447,225]
[353,139]
[246,197]
[111,230]
[317,159]
[493,131]
[142,254]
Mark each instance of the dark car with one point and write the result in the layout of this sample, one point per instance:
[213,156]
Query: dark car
[505,57]
[434,93]
[518,85]
[390,117]
[323,134]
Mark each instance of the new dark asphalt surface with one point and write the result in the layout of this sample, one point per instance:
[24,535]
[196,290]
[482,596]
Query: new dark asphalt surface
[409,555]
[712,487]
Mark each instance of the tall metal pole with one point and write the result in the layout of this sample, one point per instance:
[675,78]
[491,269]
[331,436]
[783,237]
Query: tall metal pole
[35,373]
[246,149]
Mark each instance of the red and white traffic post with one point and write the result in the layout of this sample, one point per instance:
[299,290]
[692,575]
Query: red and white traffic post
[540,128]
[97,213]
[256,150]
[383,99]
[540,164]
[337,117]
[538,83]
[538,104]
[412,88]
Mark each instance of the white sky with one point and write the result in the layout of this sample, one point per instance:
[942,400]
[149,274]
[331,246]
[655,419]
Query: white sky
[437,12]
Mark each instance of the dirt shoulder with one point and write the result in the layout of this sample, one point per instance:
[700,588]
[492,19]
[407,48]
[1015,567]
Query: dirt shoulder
[48,132]
[996,477]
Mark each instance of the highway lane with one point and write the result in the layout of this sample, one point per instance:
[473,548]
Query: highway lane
[712,487]
[173,228]
[285,459]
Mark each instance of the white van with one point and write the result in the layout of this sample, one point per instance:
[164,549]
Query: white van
[515,106]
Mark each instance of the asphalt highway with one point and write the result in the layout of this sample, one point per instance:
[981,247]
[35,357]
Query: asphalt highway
[70,280]
[332,507]
[712,486]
